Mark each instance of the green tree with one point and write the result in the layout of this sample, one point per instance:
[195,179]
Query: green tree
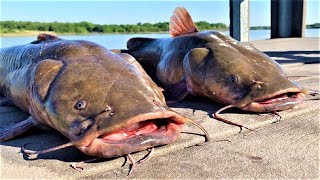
[87,27]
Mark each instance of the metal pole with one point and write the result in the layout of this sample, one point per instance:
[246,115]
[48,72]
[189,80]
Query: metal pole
[288,18]
[239,19]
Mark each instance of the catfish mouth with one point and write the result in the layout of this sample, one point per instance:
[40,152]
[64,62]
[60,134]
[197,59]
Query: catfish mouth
[149,127]
[278,101]
[142,132]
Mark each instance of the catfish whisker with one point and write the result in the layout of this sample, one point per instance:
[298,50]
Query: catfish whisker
[260,82]
[78,167]
[218,117]
[133,164]
[144,159]
[148,156]
[207,137]
[276,114]
[313,92]
[30,152]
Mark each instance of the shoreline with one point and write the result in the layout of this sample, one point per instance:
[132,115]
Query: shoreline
[35,33]
[25,33]
[28,33]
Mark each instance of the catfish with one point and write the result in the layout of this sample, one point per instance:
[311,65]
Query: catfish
[104,103]
[216,66]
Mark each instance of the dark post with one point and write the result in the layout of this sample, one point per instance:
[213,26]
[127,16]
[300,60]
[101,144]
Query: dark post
[288,18]
[239,19]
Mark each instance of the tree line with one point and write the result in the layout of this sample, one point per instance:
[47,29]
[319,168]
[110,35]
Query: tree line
[87,27]
[309,26]
[313,26]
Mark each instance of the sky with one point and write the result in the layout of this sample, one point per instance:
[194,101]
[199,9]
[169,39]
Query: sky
[132,12]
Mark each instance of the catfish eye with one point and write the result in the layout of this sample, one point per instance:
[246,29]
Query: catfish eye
[81,104]
[233,79]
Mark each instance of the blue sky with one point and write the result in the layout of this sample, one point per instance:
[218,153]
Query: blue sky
[132,12]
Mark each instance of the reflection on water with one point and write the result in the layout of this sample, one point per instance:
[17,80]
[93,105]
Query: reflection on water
[118,41]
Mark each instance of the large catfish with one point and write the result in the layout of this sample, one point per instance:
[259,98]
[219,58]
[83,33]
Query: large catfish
[104,103]
[216,66]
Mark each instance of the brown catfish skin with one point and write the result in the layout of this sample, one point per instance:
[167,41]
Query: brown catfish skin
[214,65]
[88,94]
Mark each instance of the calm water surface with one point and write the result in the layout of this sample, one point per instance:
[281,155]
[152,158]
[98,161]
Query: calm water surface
[118,41]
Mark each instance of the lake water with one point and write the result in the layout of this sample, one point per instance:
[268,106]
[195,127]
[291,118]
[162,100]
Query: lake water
[118,41]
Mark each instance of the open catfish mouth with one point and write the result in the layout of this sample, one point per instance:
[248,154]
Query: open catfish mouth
[278,101]
[142,132]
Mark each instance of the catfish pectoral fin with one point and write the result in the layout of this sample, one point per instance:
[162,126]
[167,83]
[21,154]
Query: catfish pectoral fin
[176,92]
[17,129]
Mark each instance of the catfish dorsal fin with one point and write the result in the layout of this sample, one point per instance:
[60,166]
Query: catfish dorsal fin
[181,23]
[135,43]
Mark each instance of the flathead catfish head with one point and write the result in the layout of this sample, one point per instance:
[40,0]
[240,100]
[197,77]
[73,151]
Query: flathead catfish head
[238,74]
[104,103]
